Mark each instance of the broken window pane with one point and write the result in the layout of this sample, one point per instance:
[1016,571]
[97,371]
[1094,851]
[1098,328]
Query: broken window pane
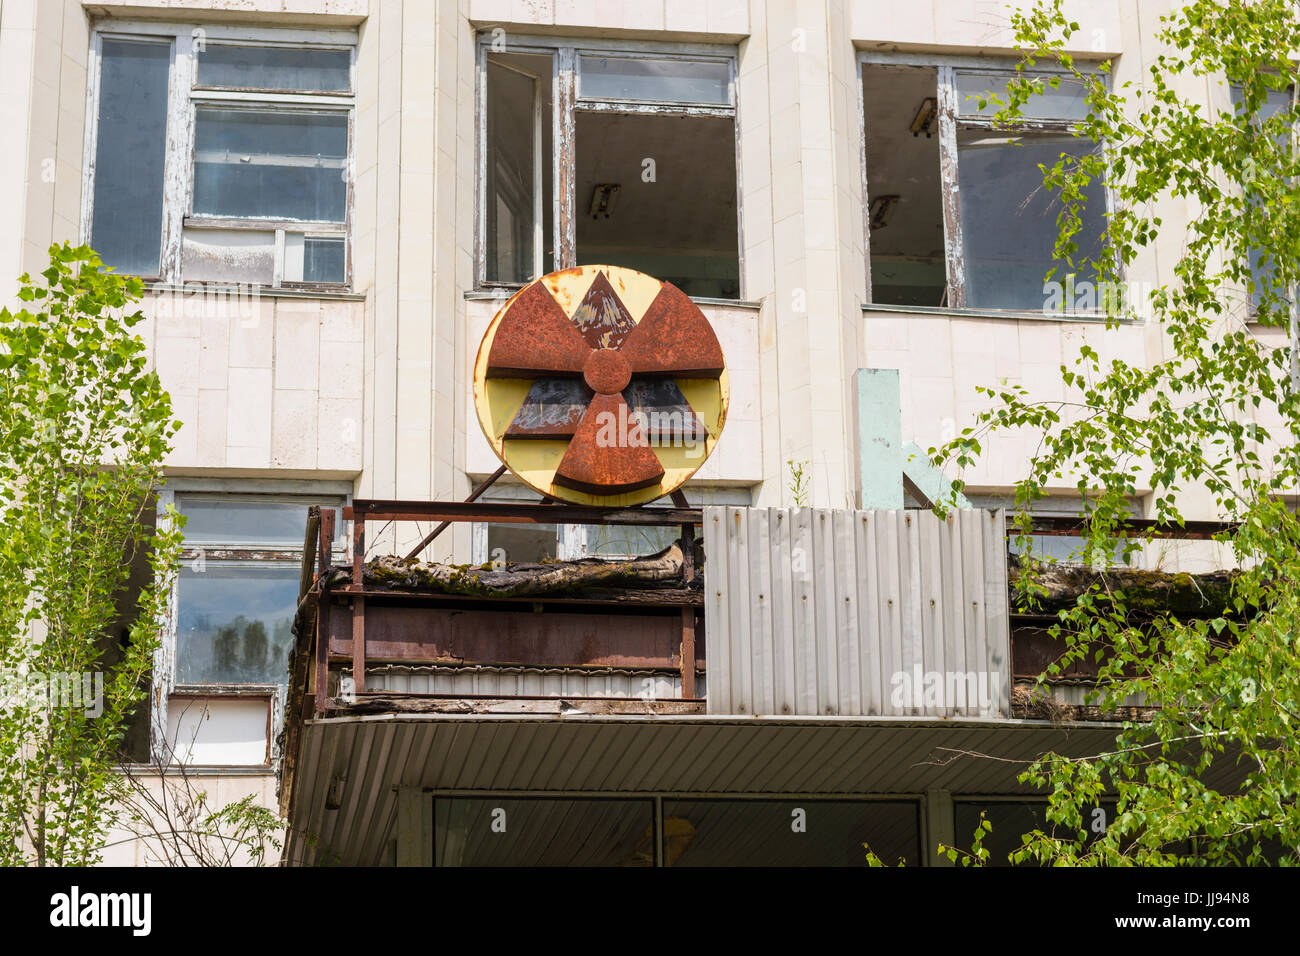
[520,544]
[518,181]
[233,623]
[628,541]
[904,194]
[270,164]
[658,194]
[228,255]
[1066,102]
[274,68]
[669,81]
[130,151]
[1009,226]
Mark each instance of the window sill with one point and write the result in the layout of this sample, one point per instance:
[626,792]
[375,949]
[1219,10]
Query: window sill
[257,291]
[505,292]
[1093,318]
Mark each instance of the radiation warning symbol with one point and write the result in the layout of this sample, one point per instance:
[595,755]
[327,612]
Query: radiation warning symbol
[601,386]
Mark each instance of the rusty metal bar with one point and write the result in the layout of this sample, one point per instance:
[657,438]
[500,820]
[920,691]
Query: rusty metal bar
[1074,526]
[320,684]
[326,539]
[688,653]
[308,573]
[473,496]
[518,513]
[358,603]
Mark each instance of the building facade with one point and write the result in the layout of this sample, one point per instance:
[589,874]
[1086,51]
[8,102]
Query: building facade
[331,199]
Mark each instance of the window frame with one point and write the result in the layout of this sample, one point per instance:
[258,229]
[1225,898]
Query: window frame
[239,555]
[184,97]
[566,102]
[949,122]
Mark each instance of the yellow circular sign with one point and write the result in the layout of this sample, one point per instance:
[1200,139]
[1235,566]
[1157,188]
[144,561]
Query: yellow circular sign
[600,385]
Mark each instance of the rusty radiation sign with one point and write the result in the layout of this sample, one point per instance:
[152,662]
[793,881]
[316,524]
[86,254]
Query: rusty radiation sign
[601,386]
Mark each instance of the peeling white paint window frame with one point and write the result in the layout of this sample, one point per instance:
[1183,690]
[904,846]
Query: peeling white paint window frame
[337,493]
[184,97]
[567,102]
[948,106]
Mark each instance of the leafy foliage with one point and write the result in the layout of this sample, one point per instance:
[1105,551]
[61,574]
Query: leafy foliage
[1214,418]
[84,427]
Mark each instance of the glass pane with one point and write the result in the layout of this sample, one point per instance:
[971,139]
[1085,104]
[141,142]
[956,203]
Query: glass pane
[788,832]
[274,68]
[671,81]
[499,831]
[324,260]
[628,541]
[520,544]
[238,523]
[1011,821]
[1264,287]
[270,164]
[518,117]
[232,624]
[1066,102]
[675,219]
[130,150]
[1009,224]
[228,255]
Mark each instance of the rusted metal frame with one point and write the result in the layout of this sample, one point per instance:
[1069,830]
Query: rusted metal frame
[675,598]
[320,686]
[953,242]
[517,513]
[310,543]
[473,496]
[564,160]
[1072,526]
[358,603]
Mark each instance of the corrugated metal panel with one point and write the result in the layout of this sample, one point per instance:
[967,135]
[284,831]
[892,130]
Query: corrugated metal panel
[371,756]
[490,681]
[838,612]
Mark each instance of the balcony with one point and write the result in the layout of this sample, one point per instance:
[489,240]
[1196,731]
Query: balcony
[804,654]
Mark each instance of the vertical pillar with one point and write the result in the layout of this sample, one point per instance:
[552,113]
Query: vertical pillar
[940,828]
[880,430]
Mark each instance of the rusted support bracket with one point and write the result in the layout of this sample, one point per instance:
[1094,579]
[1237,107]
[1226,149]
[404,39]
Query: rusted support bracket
[310,535]
[321,683]
[473,496]
[358,604]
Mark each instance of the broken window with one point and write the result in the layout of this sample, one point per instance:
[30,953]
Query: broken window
[1263,290]
[644,176]
[957,211]
[235,597]
[243,175]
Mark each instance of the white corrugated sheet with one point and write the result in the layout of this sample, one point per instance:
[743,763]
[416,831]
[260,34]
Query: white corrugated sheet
[506,681]
[890,613]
